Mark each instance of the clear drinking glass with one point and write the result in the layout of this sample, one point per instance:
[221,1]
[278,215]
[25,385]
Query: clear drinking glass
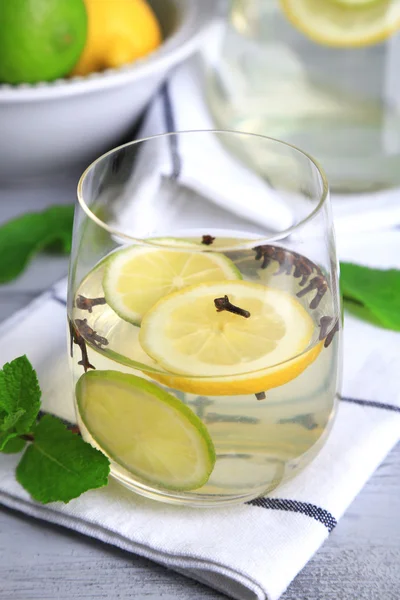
[204,314]
[323,75]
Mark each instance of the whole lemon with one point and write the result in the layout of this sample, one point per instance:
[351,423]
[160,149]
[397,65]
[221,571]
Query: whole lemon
[40,40]
[119,32]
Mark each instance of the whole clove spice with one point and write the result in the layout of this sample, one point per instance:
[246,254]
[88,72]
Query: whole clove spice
[224,304]
[84,303]
[207,240]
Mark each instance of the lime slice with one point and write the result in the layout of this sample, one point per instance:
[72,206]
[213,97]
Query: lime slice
[221,353]
[344,23]
[149,432]
[136,278]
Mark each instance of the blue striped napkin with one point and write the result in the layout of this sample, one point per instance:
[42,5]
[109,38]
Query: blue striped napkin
[254,550]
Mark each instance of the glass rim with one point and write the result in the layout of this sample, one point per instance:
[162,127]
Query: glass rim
[259,239]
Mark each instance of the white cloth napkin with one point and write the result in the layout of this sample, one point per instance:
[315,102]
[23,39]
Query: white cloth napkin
[221,178]
[251,551]
[224,186]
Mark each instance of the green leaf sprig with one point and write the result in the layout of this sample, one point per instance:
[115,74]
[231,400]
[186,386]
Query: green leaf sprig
[23,237]
[57,464]
[372,294]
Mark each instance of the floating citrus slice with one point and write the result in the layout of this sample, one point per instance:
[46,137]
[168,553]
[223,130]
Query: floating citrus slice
[136,278]
[222,353]
[149,432]
[344,23]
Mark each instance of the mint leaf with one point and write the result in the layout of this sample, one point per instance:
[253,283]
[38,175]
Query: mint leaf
[358,310]
[14,445]
[59,465]
[19,399]
[372,294]
[23,237]
[6,438]
[10,419]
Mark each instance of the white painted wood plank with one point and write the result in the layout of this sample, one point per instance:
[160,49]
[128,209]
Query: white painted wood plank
[360,560]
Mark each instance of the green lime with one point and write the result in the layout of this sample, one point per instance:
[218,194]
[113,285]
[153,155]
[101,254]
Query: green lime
[149,432]
[40,40]
[137,277]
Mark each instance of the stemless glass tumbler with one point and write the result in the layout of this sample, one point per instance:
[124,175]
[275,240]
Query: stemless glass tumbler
[204,314]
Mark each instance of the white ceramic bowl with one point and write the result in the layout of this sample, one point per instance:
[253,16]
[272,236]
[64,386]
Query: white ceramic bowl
[48,128]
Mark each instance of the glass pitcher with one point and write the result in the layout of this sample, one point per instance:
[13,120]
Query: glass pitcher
[323,75]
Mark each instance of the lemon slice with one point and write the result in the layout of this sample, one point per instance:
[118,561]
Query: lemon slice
[149,432]
[221,353]
[136,278]
[342,23]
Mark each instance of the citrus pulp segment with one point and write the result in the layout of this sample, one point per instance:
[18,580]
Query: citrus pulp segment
[137,277]
[147,431]
[221,353]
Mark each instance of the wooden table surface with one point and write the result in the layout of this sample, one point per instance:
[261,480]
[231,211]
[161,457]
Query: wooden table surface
[38,561]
